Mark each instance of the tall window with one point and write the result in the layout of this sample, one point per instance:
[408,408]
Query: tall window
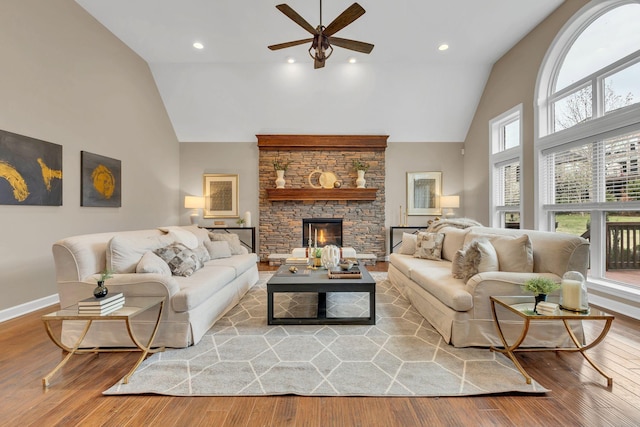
[506,152]
[588,143]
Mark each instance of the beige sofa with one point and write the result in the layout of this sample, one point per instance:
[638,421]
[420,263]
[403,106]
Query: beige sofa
[193,304]
[461,311]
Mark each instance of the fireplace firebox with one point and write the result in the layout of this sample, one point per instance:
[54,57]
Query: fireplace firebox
[328,231]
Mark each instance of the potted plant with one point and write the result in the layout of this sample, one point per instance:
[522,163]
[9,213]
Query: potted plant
[360,168]
[317,257]
[280,169]
[101,290]
[541,287]
[240,222]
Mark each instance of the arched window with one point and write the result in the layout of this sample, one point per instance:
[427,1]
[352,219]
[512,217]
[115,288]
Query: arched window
[588,137]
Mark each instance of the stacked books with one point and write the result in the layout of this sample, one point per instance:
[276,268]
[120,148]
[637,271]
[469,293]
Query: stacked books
[548,309]
[296,261]
[338,273]
[100,306]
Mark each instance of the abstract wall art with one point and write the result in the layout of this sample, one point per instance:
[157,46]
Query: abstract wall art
[100,181]
[30,171]
[220,196]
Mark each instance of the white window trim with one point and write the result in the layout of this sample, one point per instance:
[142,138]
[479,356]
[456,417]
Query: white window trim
[498,158]
[617,296]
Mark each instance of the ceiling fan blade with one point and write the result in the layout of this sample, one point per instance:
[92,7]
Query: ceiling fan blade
[293,15]
[289,44]
[351,44]
[350,14]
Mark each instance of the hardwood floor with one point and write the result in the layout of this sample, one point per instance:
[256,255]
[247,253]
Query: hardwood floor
[579,395]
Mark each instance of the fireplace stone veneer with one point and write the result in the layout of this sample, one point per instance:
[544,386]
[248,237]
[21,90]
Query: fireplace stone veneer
[281,221]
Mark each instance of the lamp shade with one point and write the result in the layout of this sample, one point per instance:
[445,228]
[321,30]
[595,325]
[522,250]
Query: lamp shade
[449,201]
[193,202]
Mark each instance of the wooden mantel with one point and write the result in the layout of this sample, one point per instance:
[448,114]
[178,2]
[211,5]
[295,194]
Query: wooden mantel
[312,194]
[323,142]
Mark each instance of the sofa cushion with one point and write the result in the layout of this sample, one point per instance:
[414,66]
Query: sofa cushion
[435,277]
[429,245]
[202,234]
[218,249]
[124,252]
[152,263]
[200,286]
[409,242]
[231,238]
[240,263]
[182,261]
[453,241]
[515,252]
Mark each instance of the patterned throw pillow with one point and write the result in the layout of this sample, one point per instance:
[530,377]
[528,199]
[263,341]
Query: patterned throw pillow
[182,261]
[232,239]
[429,245]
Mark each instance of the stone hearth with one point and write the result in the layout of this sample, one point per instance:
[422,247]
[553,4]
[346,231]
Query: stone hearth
[281,220]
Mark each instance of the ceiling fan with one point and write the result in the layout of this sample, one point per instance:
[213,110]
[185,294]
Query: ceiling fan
[323,41]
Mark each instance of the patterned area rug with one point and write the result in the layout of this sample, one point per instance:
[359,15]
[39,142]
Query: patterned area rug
[402,355]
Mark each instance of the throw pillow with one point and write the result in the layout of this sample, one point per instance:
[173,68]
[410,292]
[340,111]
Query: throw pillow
[488,256]
[458,264]
[152,263]
[429,245]
[408,246]
[218,249]
[182,261]
[202,253]
[125,251]
[514,253]
[181,235]
[232,239]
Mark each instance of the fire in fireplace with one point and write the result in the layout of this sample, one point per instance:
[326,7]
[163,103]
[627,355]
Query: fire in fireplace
[328,231]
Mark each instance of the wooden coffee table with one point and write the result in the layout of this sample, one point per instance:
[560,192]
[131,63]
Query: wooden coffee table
[317,281]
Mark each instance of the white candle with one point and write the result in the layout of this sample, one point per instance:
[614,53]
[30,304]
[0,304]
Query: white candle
[572,294]
[247,218]
[315,237]
[309,235]
[401,216]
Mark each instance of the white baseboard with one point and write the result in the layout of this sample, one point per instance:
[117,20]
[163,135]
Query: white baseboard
[28,307]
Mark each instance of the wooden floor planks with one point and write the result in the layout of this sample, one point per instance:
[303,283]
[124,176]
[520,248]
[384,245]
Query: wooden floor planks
[579,395]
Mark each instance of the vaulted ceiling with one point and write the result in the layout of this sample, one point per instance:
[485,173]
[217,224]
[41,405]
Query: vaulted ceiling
[235,87]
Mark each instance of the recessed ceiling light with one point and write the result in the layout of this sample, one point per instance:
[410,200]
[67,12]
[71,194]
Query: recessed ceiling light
[443,46]
[291,60]
[352,60]
[198,45]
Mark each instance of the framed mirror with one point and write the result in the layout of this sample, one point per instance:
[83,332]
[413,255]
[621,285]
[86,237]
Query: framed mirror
[423,193]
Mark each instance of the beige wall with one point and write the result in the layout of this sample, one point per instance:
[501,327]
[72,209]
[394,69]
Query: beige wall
[512,81]
[400,158]
[67,80]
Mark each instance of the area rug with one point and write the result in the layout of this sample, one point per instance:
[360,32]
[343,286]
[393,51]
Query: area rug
[401,355]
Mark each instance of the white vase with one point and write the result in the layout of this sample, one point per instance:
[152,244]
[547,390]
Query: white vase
[330,256]
[280,179]
[360,182]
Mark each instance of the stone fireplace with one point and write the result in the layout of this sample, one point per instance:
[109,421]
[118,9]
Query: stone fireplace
[282,211]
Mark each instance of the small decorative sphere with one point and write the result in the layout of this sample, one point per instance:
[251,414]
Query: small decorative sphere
[293,269]
[337,184]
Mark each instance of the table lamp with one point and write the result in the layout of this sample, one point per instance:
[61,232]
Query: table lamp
[448,204]
[195,203]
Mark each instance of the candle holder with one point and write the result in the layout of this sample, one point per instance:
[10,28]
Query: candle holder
[574,296]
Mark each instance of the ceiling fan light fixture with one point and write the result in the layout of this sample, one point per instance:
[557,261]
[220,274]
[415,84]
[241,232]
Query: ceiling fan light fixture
[198,45]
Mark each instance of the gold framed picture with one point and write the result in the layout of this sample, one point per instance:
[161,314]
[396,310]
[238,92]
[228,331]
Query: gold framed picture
[220,195]
[423,193]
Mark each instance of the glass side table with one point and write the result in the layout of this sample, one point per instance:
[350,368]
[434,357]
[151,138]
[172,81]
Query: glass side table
[523,307]
[133,306]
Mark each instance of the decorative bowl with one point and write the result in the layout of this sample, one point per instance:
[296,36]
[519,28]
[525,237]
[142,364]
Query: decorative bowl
[346,265]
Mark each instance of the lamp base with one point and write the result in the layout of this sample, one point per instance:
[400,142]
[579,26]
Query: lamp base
[195,218]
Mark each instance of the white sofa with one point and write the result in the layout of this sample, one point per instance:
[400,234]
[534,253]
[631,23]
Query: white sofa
[193,304]
[461,311]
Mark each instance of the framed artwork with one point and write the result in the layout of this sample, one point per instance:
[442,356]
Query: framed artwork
[423,193]
[100,184]
[220,195]
[30,171]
